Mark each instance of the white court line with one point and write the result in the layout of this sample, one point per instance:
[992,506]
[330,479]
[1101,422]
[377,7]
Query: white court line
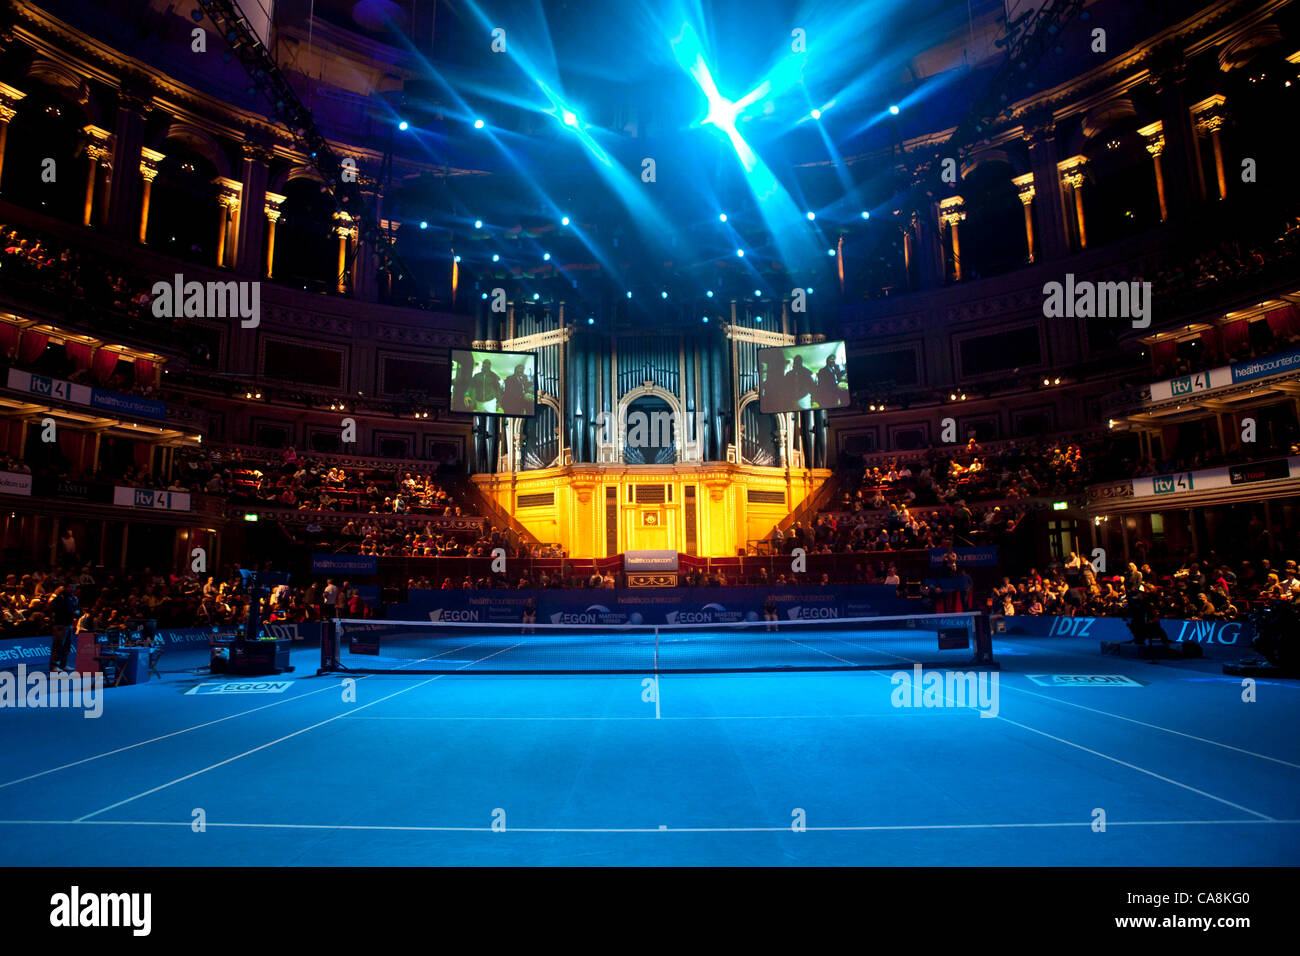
[1168,730]
[1124,763]
[656,829]
[176,733]
[272,743]
[820,651]
[901,713]
[1133,766]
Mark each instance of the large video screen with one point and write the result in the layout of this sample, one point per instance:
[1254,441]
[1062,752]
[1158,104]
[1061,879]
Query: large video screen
[795,378]
[493,383]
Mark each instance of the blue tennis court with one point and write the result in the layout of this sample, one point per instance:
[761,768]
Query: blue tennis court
[751,769]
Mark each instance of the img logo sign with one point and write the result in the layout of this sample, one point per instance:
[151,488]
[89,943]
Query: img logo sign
[947,689]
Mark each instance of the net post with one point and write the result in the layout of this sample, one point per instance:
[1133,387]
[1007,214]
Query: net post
[329,646]
[983,640]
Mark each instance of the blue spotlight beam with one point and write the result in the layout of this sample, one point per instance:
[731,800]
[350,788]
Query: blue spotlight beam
[784,220]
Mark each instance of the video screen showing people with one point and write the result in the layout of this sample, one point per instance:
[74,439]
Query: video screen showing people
[493,383]
[796,378]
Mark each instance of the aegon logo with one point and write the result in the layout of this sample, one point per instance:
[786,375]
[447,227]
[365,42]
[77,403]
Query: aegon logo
[446,614]
[241,687]
[1083,680]
[690,617]
[805,613]
[568,617]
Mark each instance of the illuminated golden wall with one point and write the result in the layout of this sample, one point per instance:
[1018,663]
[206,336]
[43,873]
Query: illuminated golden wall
[597,510]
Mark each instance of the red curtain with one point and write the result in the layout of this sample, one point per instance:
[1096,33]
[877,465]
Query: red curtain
[1162,353]
[1235,335]
[32,346]
[144,456]
[105,362]
[1285,321]
[1210,342]
[8,339]
[146,373]
[79,353]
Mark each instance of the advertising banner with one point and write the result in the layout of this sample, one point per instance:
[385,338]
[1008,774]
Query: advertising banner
[654,605]
[344,564]
[151,498]
[15,483]
[650,561]
[966,557]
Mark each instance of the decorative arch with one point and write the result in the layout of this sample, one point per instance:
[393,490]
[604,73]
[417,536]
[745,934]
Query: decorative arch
[292,173]
[200,141]
[553,403]
[675,408]
[68,85]
[747,400]
[989,156]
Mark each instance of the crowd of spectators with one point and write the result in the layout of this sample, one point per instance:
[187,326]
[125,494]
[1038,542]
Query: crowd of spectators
[1212,589]
[33,259]
[108,602]
[302,483]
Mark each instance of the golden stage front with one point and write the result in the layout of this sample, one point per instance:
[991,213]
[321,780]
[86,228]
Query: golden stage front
[593,511]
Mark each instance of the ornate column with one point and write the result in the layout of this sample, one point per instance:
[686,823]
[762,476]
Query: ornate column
[1154,140]
[227,217]
[149,160]
[9,98]
[272,211]
[1053,235]
[1180,159]
[951,212]
[1071,171]
[252,196]
[1208,118]
[345,228]
[133,102]
[98,147]
[1025,188]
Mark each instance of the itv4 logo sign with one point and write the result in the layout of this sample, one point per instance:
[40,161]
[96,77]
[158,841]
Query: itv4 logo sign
[1190,383]
[145,498]
[1172,484]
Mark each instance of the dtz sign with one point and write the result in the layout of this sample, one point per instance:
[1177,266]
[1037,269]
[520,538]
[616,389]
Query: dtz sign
[1197,632]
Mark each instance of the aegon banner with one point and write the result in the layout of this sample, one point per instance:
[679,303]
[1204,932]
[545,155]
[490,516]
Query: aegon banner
[654,605]
[37,648]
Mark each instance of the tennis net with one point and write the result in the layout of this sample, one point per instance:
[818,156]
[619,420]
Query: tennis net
[425,647]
